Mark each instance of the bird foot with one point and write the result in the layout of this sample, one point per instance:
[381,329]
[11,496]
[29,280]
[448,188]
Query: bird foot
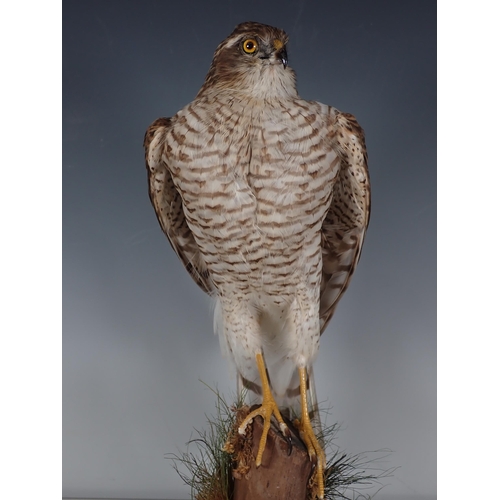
[316,454]
[266,411]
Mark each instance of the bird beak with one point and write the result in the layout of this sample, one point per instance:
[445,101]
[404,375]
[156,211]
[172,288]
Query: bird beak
[282,56]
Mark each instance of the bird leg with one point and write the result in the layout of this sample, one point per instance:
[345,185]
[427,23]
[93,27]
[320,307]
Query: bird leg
[316,453]
[266,411]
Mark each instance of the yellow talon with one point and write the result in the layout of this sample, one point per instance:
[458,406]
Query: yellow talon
[310,440]
[266,411]
[270,408]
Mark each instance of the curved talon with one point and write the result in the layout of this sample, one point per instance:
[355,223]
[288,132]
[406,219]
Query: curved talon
[316,453]
[266,411]
[243,426]
[290,446]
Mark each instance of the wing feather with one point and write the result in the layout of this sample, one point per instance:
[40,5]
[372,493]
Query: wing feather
[345,224]
[167,204]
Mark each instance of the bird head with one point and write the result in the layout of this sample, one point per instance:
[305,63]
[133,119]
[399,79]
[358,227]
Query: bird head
[252,60]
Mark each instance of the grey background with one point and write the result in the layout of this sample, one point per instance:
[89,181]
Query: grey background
[137,332]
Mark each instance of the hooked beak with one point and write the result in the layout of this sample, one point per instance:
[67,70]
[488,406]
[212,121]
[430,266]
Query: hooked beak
[282,56]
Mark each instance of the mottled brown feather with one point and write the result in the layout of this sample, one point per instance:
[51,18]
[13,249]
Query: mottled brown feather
[167,204]
[344,227]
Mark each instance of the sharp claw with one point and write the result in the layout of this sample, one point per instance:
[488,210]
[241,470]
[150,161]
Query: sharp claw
[288,436]
[242,429]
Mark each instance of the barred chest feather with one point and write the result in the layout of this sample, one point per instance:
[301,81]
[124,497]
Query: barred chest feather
[256,180]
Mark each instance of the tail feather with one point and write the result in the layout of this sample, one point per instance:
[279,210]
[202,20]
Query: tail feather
[313,403]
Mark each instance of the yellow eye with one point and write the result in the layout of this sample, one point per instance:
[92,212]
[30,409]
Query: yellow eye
[250,46]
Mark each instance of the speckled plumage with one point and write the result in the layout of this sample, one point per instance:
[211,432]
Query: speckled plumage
[265,197]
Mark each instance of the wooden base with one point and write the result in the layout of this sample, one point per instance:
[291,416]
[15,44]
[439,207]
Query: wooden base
[284,472]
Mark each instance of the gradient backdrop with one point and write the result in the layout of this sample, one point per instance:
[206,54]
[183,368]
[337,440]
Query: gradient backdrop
[137,331]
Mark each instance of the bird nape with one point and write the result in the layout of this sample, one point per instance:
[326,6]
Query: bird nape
[265,198]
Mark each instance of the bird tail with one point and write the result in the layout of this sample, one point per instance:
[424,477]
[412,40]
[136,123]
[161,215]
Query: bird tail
[312,401]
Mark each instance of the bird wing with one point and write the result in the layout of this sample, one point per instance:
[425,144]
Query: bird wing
[167,203]
[346,221]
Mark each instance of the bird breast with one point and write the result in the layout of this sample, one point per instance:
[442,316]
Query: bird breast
[256,181]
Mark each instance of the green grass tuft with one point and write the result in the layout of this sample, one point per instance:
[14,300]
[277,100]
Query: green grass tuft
[208,470]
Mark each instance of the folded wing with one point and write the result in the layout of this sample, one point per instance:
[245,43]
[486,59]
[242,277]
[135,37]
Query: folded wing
[167,203]
[344,227]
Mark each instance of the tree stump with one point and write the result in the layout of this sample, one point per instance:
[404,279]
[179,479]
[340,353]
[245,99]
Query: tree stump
[284,472]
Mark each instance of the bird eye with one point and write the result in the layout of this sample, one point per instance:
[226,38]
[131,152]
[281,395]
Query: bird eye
[250,46]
